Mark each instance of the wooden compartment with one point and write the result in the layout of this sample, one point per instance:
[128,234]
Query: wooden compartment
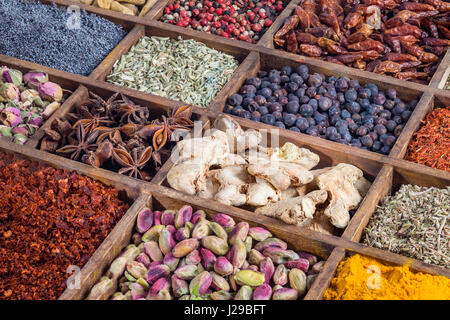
[127,192]
[271,60]
[329,156]
[323,281]
[158,11]
[269,43]
[160,30]
[110,15]
[159,199]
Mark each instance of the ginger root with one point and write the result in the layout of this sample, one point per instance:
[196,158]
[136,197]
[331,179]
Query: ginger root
[289,152]
[340,182]
[298,211]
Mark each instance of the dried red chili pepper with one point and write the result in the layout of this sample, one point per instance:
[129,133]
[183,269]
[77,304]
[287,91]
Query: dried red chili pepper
[49,219]
[430,145]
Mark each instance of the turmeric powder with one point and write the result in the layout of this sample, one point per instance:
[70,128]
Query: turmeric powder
[363,278]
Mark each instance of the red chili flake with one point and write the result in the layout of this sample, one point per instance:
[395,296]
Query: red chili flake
[430,145]
[49,219]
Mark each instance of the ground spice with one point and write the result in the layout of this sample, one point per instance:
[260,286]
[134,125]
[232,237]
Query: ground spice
[430,145]
[49,219]
[363,278]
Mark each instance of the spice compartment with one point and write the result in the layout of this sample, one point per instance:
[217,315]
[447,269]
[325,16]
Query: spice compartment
[161,199]
[119,14]
[127,193]
[156,30]
[126,24]
[82,95]
[442,73]
[270,43]
[370,166]
[323,281]
[157,12]
[267,61]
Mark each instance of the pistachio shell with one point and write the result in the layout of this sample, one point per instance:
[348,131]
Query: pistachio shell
[144,220]
[193,257]
[102,289]
[279,256]
[179,286]
[157,217]
[182,234]
[186,272]
[224,220]
[156,272]
[280,276]
[270,242]
[255,257]
[136,269]
[160,284]
[237,254]
[300,263]
[168,218]
[137,291]
[222,295]
[267,268]
[171,261]
[219,282]
[197,216]
[208,258]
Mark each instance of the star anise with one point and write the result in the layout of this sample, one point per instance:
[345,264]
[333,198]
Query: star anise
[91,120]
[161,131]
[129,112]
[84,142]
[133,162]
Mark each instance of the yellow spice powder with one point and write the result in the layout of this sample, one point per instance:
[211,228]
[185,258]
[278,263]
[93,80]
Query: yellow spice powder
[363,278]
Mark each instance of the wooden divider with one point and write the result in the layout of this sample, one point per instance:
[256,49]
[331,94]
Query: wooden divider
[385,172]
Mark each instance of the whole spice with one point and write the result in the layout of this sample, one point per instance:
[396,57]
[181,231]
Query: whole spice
[430,145]
[414,222]
[363,278]
[235,275]
[25,102]
[49,220]
[337,109]
[117,134]
[130,7]
[236,19]
[183,70]
[64,40]
[232,166]
[404,39]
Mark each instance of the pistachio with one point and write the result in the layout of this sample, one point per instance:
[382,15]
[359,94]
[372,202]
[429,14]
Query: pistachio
[166,241]
[160,284]
[193,257]
[223,267]
[259,234]
[144,220]
[218,230]
[219,282]
[280,276]
[157,217]
[183,215]
[215,244]
[221,295]
[237,254]
[244,293]
[255,257]
[197,216]
[263,292]
[285,294]
[201,229]
[200,284]
[297,280]
[239,232]
[136,269]
[156,272]
[185,247]
[171,261]
[208,259]
[224,220]
[168,218]
[317,267]
[152,250]
[182,234]
[153,233]
[249,278]
[248,243]
[186,272]
[300,263]
[270,242]
[279,256]
[267,268]
[137,291]
[179,286]
[102,289]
